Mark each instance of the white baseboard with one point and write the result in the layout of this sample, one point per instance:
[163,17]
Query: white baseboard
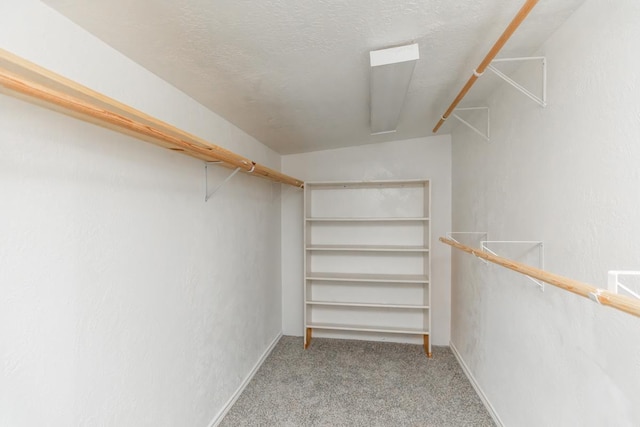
[220,415]
[476,386]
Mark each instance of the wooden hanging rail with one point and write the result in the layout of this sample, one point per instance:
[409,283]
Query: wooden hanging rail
[498,45]
[601,296]
[28,81]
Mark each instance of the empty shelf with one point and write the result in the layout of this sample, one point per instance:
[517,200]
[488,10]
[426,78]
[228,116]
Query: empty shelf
[388,329]
[382,184]
[367,219]
[370,278]
[369,248]
[369,304]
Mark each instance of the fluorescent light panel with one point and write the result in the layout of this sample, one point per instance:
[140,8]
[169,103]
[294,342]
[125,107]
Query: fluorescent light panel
[391,71]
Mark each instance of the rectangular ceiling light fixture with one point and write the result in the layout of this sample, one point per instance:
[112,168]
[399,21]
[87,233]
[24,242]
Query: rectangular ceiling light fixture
[391,71]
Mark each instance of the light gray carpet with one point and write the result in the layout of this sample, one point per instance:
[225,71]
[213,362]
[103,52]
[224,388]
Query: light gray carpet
[358,383]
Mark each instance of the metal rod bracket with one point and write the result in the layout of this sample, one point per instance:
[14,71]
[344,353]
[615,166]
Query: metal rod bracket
[483,235]
[486,136]
[614,285]
[208,195]
[450,234]
[484,245]
[540,100]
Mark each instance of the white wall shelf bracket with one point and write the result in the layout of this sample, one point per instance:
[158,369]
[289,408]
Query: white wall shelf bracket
[486,136]
[208,195]
[485,247]
[614,285]
[450,234]
[484,235]
[540,100]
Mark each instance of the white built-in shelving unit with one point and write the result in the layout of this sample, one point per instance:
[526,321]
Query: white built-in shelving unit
[367,264]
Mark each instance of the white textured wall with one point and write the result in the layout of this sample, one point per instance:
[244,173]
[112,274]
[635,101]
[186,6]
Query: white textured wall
[419,158]
[567,175]
[125,299]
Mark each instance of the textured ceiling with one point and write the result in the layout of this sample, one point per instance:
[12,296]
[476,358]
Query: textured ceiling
[295,73]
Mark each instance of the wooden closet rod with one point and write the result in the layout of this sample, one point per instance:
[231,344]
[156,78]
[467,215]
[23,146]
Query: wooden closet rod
[498,45]
[28,81]
[621,302]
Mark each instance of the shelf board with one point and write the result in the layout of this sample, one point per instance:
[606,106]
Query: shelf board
[370,278]
[367,219]
[369,248]
[387,329]
[40,86]
[382,184]
[368,304]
